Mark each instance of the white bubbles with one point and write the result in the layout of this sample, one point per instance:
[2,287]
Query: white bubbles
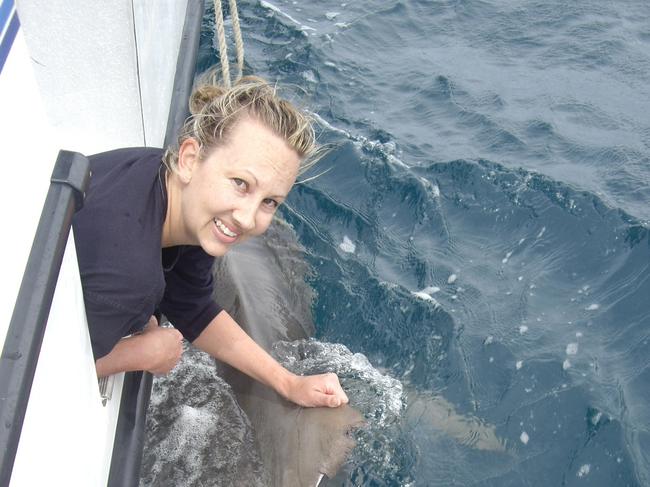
[592,307]
[572,349]
[425,297]
[523,329]
[275,9]
[426,294]
[519,364]
[431,289]
[433,189]
[191,408]
[452,279]
[584,470]
[309,76]
[347,245]
[524,437]
[566,364]
[595,419]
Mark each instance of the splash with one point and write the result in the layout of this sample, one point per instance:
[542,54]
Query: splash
[196,431]
[379,397]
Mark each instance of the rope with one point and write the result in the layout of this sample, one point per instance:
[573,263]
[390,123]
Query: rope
[239,43]
[223,49]
[221,41]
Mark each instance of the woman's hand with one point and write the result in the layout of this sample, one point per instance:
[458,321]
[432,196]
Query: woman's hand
[316,390]
[156,350]
[226,341]
[162,349]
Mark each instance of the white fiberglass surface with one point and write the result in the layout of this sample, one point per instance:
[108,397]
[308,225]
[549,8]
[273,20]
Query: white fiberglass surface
[65,420]
[28,156]
[76,79]
[87,70]
[66,427]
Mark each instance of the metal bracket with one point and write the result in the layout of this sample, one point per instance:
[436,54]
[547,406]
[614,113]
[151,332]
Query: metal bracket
[72,169]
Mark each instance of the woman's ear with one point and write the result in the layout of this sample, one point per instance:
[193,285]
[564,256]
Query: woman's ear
[188,158]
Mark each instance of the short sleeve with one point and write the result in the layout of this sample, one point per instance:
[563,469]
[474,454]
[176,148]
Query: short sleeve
[188,300]
[109,320]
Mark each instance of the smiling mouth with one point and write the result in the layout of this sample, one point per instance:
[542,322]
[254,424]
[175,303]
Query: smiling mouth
[224,229]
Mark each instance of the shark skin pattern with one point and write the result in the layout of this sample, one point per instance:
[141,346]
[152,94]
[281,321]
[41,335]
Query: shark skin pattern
[261,283]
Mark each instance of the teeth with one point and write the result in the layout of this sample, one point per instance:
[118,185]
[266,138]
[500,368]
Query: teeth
[224,228]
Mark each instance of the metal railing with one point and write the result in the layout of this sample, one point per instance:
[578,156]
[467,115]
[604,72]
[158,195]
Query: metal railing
[24,338]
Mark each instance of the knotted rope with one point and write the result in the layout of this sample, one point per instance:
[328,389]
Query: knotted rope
[221,41]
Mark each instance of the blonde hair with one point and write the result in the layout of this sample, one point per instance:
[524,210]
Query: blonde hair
[215,110]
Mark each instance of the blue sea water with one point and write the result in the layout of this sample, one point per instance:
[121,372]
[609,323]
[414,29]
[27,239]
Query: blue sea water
[480,231]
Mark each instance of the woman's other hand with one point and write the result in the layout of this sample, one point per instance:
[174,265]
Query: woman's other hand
[316,390]
[156,350]
[162,349]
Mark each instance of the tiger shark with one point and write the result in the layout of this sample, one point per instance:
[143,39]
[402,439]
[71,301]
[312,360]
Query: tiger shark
[261,284]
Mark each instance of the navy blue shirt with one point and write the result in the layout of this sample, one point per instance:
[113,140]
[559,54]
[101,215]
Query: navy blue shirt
[126,275]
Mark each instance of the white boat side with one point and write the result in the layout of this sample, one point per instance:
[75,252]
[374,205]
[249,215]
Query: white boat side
[87,77]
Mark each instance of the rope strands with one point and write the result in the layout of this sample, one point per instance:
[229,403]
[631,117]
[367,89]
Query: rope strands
[239,43]
[221,41]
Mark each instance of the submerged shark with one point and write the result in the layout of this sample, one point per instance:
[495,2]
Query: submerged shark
[262,285]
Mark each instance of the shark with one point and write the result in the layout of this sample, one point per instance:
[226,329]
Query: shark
[262,285]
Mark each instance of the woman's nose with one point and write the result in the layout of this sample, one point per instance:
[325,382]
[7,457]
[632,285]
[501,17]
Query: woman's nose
[244,216]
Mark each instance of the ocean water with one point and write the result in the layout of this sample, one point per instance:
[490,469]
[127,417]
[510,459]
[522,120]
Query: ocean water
[478,237]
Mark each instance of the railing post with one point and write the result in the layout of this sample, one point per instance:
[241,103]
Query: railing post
[25,333]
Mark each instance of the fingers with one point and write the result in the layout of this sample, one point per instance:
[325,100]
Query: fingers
[151,324]
[164,346]
[166,362]
[333,388]
[333,401]
[175,333]
[328,400]
[325,391]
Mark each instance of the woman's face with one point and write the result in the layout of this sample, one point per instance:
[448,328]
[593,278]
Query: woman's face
[234,192]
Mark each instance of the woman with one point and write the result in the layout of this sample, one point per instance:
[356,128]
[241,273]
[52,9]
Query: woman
[152,224]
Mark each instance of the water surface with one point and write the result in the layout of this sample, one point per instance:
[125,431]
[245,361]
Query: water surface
[479,242]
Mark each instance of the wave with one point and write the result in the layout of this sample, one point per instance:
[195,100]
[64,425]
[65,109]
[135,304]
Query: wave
[537,295]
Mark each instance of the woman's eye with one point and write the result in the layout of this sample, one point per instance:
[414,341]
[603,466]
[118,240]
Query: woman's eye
[240,183]
[270,203]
